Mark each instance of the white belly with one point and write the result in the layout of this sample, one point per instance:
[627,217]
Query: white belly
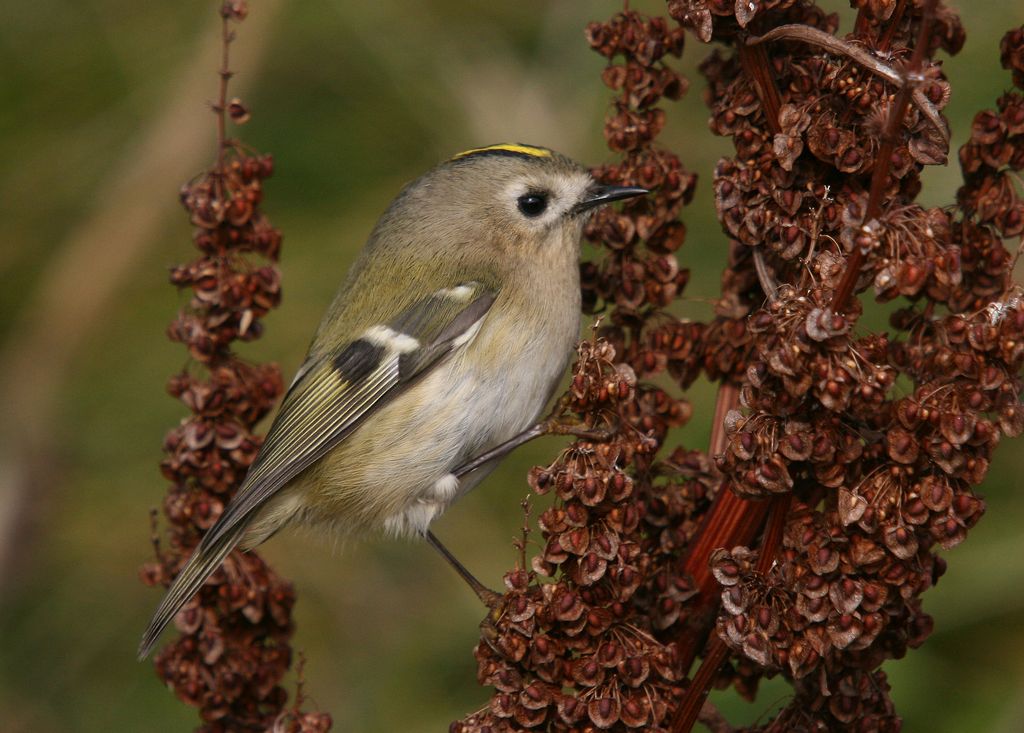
[475,410]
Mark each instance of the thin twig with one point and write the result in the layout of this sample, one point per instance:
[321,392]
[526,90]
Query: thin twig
[220,109]
[883,159]
[524,532]
[867,61]
[765,276]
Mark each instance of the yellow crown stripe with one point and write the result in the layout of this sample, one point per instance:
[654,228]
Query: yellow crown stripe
[508,148]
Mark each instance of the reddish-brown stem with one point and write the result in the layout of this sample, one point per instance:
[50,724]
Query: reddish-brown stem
[891,25]
[860,23]
[758,68]
[697,692]
[883,159]
[772,540]
[716,650]
[730,521]
[884,40]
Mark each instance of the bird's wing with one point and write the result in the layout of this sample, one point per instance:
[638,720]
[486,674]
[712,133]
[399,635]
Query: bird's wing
[332,395]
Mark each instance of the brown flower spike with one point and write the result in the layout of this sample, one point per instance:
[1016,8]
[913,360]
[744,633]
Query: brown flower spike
[801,543]
[233,649]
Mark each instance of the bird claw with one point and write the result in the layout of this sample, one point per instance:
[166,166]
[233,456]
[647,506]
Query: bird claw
[595,435]
[489,632]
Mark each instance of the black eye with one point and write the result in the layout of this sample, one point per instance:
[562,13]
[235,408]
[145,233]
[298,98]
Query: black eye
[532,204]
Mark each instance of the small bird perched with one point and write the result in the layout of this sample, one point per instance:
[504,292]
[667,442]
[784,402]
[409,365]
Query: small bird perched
[446,339]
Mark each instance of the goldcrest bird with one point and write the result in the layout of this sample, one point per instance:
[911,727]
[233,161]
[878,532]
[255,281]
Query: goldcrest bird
[447,339]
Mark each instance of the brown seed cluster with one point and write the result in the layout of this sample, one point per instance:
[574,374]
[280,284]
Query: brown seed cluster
[787,185]
[873,478]
[577,651]
[632,280]
[233,650]
[720,18]
[990,200]
[230,295]
[575,644]
[881,480]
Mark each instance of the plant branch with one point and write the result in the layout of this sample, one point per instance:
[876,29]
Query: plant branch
[883,159]
[865,59]
[717,651]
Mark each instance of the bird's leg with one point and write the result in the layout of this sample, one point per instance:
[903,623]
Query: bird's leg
[500,450]
[548,426]
[594,435]
[490,598]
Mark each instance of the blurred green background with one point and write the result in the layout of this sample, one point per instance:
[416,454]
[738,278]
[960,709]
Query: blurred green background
[103,115]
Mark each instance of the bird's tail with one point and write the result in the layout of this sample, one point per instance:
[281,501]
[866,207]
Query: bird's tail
[199,567]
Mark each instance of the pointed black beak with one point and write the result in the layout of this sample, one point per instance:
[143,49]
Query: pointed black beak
[599,194]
